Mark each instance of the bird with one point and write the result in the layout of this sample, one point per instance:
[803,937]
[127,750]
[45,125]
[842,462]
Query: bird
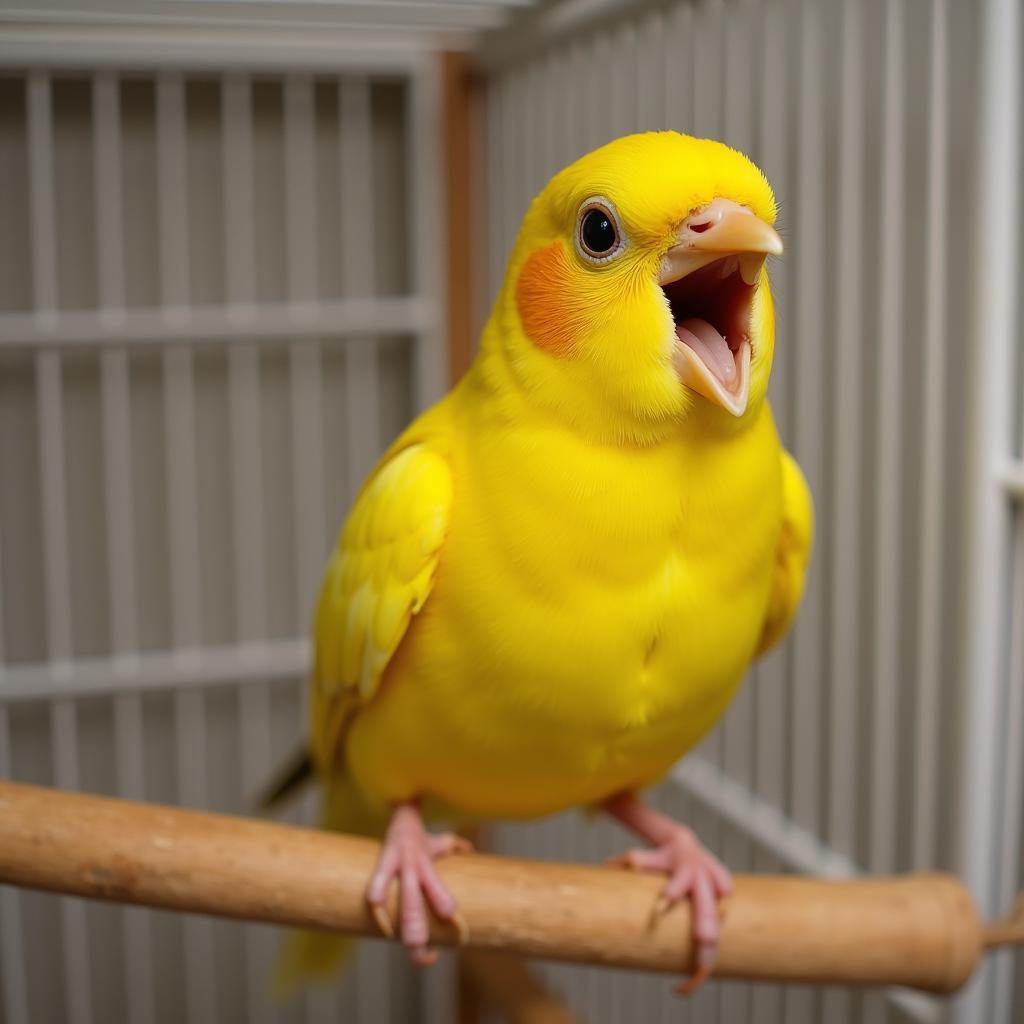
[553,582]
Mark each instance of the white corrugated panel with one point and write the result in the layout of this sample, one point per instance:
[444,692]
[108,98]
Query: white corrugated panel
[168,495]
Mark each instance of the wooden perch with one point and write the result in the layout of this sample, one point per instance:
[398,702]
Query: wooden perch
[918,930]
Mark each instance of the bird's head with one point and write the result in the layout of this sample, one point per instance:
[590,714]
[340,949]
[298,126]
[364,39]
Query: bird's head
[637,298]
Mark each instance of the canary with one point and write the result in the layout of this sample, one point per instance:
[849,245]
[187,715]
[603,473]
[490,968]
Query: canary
[553,582]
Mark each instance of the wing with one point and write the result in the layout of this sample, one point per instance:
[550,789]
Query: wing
[792,554]
[377,579]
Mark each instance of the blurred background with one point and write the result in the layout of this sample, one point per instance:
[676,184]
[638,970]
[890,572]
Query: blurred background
[242,243]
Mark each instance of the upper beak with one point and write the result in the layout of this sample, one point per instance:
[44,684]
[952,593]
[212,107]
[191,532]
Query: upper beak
[720,228]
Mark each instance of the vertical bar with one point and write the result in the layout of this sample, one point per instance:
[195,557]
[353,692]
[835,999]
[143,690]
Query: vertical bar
[845,677]
[13,967]
[933,456]
[362,386]
[186,593]
[623,107]
[844,671]
[495,188]
[426,199]
[889,389]
[651,72]
[1009,850]
[247,478]
[56,563]
[304,356]
[678,78]
[996,318]
[128,723]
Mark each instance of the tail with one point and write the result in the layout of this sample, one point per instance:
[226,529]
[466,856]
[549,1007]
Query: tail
[292,777]
[315,957]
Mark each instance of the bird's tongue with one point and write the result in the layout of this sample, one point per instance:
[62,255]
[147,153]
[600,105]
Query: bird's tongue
[711,347]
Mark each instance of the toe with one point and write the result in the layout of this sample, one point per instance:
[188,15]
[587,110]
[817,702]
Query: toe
[721,877]
[679,884]
[642,860]
[705,911]
[412,912]
[437,893]
[446,844]
[387,868]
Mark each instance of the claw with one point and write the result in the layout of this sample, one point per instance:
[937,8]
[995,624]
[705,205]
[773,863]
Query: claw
[461,928]
[383,919]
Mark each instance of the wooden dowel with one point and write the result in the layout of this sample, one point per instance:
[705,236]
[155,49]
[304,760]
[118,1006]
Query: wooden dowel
[918,930]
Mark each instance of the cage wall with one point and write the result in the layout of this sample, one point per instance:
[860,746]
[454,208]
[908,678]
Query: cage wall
[213,317]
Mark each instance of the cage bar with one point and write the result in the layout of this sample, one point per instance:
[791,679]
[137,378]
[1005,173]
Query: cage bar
[183,507]
[123,597]
[887,577]
[934,441]
[362,382]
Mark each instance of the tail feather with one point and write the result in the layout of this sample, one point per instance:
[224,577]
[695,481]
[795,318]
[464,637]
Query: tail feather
[309,957]
[296,772]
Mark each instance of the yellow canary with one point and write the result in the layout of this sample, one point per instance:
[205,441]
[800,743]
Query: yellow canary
[554,581]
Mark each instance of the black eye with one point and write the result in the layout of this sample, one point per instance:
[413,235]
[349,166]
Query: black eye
[598,234]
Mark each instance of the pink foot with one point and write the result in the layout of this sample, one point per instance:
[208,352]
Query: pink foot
[408,855]
[692,871]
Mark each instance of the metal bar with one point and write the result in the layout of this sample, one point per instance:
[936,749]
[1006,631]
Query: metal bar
[56,558]
[933,458]
[994,316]
[1012,797]
[247,477]
[304,357]
[153,672]
[887,577]
[186,591]
[845,669]
[426,201]
[362,384]
[651,72]
[133,44]
[679,71]
[13,969]
[208,325]
[494,123]
[114,378]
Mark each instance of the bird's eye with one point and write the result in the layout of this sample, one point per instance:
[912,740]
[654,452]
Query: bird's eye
[599,237]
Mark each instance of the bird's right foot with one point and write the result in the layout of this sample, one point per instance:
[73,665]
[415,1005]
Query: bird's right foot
[407,855]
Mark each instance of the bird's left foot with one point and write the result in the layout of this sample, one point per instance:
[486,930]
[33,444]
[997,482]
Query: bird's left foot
[692,872]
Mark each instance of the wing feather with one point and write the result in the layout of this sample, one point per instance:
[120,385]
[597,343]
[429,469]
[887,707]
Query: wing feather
[379,576]
[791,555]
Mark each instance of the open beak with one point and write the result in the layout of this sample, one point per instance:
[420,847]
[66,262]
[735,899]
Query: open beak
[708,278]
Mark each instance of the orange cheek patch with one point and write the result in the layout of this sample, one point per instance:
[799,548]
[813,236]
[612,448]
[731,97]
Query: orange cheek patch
[548,300]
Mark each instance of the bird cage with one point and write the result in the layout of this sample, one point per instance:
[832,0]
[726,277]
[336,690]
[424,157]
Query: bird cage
[243,242]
